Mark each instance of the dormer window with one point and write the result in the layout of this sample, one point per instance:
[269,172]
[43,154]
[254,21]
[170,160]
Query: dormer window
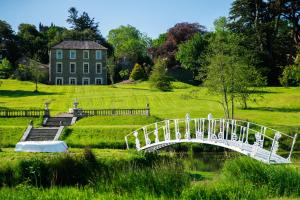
[98,55]
[72,54]
[86,54]
[59,54]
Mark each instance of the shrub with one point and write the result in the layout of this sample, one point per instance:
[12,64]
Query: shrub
[137,72]
[159,78]
[124,74]
[5,68]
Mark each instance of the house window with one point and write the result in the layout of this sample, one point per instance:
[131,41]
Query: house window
[98,81]
[86,54]
[86,67]
[85,81]
[59,80]
[98,55]
[72,68]
[59,67]
[59,54]
[72,54]
[98,68]
[72,81]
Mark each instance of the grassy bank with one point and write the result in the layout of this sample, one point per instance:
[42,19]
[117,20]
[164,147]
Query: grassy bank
[148,176]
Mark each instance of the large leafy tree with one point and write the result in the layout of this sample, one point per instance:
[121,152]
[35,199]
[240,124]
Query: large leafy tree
[33,43]
[130,43]
[270,31]
[81,22]
[229,73]
[85,28]
[9,47]
[176,35]
[191,53]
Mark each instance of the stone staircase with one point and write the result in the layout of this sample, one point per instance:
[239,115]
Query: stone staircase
[57,121]
[51,130]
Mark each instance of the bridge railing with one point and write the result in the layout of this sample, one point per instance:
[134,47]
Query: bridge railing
[242,136]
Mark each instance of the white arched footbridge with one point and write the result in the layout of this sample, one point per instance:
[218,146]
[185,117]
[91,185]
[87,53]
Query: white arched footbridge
[257,141]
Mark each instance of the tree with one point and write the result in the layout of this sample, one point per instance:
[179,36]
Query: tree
[129,43]
[229,73]
[176,35]
[191,53]
[85,28]
[33,43]
[291,73]
[82,22]
[111,66]
[5,68]
[9,43]
[36,73]
[158,77]
[137,72]
[266,26]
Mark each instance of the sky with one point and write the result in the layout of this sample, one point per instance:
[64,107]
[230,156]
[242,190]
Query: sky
[151,17]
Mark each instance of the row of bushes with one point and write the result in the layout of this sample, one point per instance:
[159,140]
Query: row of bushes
[151,173]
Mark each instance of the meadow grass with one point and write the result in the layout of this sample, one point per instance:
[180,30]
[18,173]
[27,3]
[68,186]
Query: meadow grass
[279,106]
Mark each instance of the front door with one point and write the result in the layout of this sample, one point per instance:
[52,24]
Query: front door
[59,81]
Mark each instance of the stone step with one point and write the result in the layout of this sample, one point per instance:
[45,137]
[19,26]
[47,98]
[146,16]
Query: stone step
[42,134]
[58,121]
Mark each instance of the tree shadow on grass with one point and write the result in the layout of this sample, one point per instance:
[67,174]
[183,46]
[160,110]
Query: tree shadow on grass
[23,93]
[272,109]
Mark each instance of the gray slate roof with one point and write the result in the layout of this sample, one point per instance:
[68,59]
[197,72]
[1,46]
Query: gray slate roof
[76,44]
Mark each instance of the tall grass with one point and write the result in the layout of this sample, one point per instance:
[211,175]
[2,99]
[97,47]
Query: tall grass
[150,173]
[281,180]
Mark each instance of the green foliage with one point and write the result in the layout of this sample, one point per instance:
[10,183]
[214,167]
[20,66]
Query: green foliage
[5,68]
[159,78]
[124,74]
[269,30]
[230,73]
[279,180]
[34,44]
[82,22]
[290,76]
[159,41]
[191,53]
[111,68]
[291,73]
[129,42]
[137,73]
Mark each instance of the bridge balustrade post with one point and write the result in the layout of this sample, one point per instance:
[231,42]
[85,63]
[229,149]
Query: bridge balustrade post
[293,144]
[210,118]
[275,145]
[167,130]
[126,140]
[177,131]
[137,141]
[156,133]
[147,140]
[187,127]
[247,134]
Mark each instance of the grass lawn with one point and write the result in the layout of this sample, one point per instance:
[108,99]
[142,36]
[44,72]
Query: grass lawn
[279,107]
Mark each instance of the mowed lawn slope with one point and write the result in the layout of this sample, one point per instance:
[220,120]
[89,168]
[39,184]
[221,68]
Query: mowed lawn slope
[279,108]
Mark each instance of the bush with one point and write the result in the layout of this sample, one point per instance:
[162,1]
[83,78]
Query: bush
[5,68]
[159,78]
[137,73]
[124,74]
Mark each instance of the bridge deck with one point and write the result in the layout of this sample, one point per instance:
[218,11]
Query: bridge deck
[253,140]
